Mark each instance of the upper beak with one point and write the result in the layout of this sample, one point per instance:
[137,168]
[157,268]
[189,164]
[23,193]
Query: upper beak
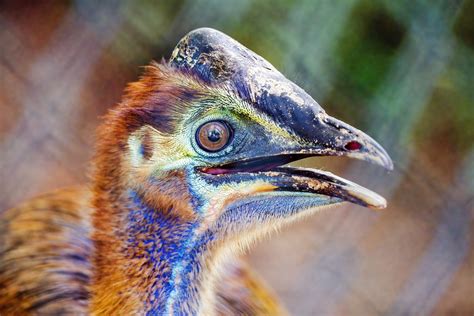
[327,136]
[352,142]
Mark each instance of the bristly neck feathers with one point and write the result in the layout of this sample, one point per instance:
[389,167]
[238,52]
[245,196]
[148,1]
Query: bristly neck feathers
[154,262]
[152,256]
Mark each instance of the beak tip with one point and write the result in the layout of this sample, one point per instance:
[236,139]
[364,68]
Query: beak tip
[379,207]
[383,157]
[379,204]
[388,164]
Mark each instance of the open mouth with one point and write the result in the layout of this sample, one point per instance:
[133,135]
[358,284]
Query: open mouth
[272,169]
[260,164]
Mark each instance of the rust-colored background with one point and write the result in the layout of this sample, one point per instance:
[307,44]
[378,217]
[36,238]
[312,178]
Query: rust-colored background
[401,70]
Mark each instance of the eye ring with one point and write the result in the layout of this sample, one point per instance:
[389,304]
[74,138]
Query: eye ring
[214,136]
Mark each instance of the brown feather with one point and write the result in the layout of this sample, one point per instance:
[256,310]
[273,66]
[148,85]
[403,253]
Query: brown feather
[45,255]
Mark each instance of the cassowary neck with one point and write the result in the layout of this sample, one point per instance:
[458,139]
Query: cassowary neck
[155,261]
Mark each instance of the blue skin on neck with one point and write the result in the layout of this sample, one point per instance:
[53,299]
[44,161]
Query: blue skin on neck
[168,242]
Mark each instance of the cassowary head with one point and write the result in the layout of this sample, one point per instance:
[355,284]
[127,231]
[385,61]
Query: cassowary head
[206,136]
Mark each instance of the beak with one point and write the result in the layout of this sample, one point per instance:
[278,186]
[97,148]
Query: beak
[323,136]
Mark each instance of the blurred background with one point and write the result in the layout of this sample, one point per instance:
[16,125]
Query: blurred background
[402,71]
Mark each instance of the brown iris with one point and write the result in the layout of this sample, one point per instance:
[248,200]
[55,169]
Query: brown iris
[213,136]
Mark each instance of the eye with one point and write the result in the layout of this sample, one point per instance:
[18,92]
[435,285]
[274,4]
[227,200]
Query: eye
[213,136]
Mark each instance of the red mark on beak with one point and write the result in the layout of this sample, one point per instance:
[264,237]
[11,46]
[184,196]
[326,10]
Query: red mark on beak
[353,145]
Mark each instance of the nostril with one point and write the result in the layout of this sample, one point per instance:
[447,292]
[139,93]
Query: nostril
[353,145]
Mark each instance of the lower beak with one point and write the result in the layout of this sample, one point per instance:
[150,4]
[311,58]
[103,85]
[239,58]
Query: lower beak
[303,180]
[325,183]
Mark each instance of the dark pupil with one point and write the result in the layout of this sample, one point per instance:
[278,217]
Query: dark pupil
[214,135]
